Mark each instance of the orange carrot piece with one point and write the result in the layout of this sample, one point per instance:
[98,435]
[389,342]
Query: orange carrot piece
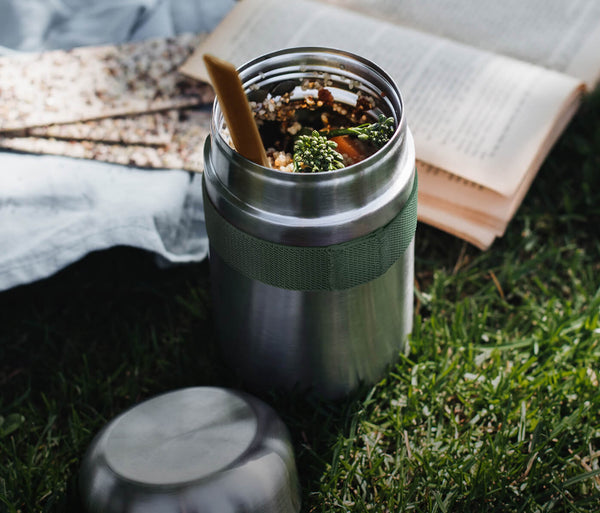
[350,148]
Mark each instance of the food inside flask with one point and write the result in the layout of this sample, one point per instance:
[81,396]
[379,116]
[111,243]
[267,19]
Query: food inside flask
[309,126]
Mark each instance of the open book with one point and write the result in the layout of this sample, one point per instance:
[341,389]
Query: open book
[488,86]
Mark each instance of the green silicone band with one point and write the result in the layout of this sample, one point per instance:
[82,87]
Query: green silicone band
[335,267]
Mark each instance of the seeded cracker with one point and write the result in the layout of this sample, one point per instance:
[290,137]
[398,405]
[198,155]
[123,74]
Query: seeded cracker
[156,128]
[184,151]
[97,82]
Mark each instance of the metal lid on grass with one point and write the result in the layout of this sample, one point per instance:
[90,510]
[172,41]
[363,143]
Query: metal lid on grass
[196,449]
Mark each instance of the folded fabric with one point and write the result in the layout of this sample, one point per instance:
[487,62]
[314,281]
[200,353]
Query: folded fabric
[53,213]
[36,25]
[54,210]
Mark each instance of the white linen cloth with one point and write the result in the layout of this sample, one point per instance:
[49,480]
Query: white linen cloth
[54,210]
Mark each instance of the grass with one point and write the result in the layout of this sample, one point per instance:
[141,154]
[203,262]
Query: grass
[496,408]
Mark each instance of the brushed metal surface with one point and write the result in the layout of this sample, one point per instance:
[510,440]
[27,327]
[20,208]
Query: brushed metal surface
[195,449]
[324,341]
[327,341]
[314,209]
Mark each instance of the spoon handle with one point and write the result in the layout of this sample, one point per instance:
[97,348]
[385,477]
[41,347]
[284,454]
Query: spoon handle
[236,109]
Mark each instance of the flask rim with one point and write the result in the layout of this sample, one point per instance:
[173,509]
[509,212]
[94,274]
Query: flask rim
[275,66]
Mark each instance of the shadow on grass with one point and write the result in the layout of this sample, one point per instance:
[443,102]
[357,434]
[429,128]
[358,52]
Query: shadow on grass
[78,348]
[112,330]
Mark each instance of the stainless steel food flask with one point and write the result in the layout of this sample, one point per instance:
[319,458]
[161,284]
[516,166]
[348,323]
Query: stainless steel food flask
[312,273]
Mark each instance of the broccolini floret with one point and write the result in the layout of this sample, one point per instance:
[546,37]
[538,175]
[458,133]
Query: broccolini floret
[377,133]
[314,153]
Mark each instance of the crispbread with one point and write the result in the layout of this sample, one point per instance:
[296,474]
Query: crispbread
[97,82]
[184,151]
[155,129]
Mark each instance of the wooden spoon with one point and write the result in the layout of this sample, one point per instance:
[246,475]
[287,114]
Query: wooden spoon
[236,109]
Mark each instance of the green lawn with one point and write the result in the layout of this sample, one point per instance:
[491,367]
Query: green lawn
[496,408]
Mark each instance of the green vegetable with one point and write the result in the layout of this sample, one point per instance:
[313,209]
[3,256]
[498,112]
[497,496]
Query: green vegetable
[377,133]
[315,153]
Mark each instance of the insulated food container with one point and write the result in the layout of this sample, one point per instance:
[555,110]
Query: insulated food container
[312,273]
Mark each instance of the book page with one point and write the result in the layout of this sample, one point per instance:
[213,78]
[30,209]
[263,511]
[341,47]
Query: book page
[451,193]
[468,199]
[481,116]
[470,230]
[563,35]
